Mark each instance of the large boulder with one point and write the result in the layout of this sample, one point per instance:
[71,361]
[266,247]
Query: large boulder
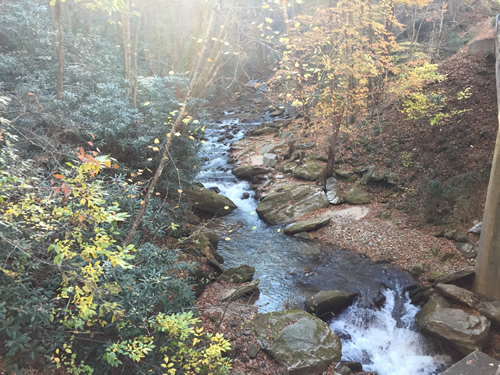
[357,195]
[328,302]
[287,203]
[464,332]
[303,343]
[311,171]
[207,201]
[307,225]
[247,172]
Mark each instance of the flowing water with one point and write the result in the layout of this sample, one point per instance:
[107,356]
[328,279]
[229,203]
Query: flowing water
[289,270]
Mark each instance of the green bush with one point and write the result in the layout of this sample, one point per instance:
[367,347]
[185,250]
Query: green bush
[70,289]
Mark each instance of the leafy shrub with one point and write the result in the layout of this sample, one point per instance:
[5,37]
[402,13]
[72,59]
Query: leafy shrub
[66,277]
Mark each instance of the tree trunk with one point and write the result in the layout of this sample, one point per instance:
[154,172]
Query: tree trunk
[134,54]
[330,166]
[58,27]
[125,21]
[487,278]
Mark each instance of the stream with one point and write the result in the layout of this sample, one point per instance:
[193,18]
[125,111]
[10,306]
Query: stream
[384,340]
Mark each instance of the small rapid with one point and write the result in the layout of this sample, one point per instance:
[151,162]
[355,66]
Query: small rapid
[387,341]
[290,270]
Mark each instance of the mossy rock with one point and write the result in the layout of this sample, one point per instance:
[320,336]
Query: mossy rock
[311,171]
[357,195]
[303,343]
[287,203]
[207,201]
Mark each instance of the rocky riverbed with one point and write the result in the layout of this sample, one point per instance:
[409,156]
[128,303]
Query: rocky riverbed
[356,214]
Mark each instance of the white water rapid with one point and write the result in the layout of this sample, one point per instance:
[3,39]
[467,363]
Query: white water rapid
[386,341]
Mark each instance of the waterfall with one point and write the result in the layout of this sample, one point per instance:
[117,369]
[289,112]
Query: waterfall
[387,341]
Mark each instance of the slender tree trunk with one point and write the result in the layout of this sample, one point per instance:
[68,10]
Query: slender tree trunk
[285,17]
[134,55]
[58,27]
[487,278]
[125,23]
[330,166]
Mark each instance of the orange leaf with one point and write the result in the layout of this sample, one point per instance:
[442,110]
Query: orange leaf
[65,189]
[90,143]
[59,176]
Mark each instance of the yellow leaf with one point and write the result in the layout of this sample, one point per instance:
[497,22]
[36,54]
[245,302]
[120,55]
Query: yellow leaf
[155,149]
[179,191]
[157,141]
[269,20]
[227,239]
[226,207]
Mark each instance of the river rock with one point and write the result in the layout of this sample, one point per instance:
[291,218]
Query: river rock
[304,344]
[331,191]
[270,160]
[287,203]
[307,225]
[467,249]
[370,171]
[269,148]
[304,236]
[476,363]
[207,201]
[247,172]
[357,195]
[259,131]
[288,167]
[328,302]
[241,274]
[311,171]
[476,229]
[463,276]
[465,332]
[233,293]
[305,145]
[491,310]
[239,145]
[458,294]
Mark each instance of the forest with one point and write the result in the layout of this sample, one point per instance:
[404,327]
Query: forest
[106,104]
